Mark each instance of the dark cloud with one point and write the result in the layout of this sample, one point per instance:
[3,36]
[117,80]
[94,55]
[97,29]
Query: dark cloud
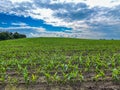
[75,15]
[72,11]
[115,12]
[57,6]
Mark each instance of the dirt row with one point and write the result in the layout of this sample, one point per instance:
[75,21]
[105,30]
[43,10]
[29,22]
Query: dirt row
[89,85]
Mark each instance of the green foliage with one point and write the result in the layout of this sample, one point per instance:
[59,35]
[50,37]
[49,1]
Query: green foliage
[116,74]
[26,75]
[34,78]
[10,35]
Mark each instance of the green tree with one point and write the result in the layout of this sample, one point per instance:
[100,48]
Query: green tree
[10,35]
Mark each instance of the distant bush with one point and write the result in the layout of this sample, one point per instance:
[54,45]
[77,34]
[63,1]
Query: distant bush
[10,35]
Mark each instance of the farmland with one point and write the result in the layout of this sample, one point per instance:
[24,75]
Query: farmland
[60,63]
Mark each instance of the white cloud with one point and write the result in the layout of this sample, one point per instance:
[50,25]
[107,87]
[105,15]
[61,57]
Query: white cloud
[21,24]
[104,20]
[40,29]
[19,1]
[86,34]
[102,3]
[41,13]
[37,29]
[3,23]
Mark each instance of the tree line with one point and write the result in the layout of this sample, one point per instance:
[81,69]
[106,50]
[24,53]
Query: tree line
[10,35]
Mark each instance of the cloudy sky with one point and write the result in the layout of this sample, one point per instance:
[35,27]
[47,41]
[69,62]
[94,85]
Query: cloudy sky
[96,19]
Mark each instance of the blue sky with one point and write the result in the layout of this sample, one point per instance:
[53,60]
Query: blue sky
[93,19]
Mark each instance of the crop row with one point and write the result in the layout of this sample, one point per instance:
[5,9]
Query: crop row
[62,69]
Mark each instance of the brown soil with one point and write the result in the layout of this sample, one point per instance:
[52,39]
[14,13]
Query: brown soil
[90,85]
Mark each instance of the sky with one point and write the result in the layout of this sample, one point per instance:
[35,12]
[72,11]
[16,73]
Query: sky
[89,19]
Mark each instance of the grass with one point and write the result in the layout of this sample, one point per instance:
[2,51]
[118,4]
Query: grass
[58,60]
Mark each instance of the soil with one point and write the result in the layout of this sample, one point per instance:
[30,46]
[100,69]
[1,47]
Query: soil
[90,85]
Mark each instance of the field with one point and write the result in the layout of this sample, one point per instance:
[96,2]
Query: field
[59,64]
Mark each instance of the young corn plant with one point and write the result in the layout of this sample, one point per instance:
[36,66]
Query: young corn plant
[99,74]
[65,77]
[26,76]
[72,75]
[48,76]
[87,64]
[56,78]
[19,68]
[113,62]
[2,78]
[34,78]
[115,74]
[12,81]
[3,73]
[81,60]
[81,77]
